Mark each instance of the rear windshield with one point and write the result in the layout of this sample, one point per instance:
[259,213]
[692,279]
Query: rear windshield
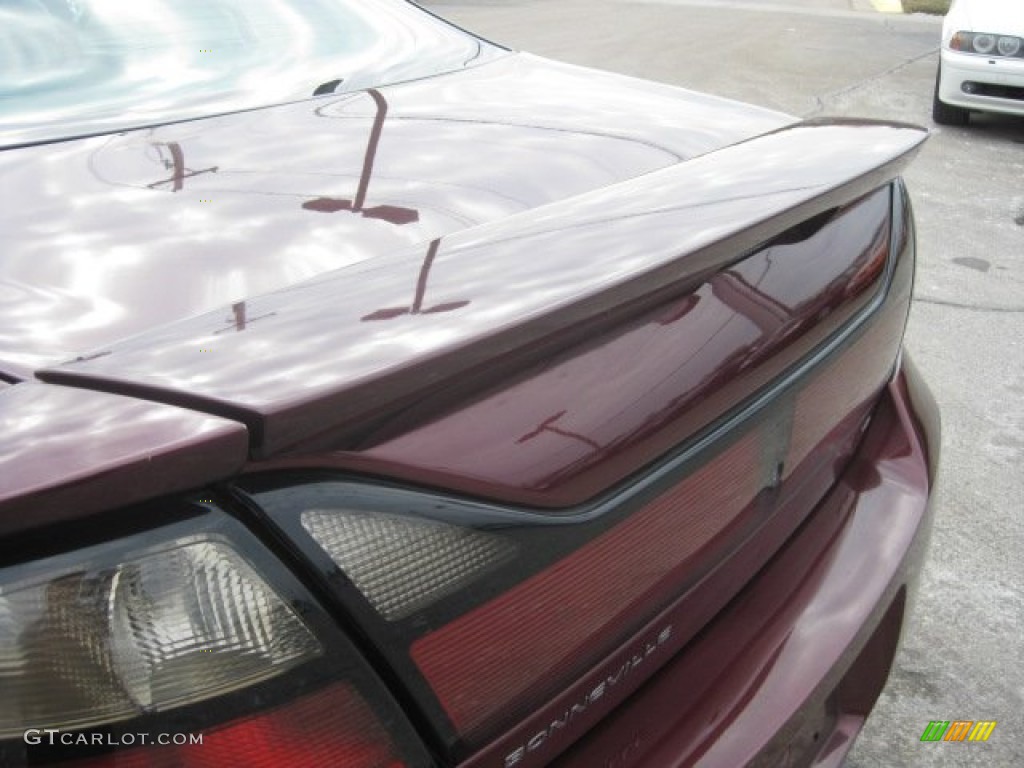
[81,67]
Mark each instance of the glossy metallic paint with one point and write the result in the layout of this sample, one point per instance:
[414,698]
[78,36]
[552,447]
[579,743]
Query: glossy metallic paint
[796,649]
[108,237]
[319,366]
[335,283]
[589,417]
[68,454]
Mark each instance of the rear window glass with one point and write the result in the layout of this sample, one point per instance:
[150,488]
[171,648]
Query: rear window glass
[79,67]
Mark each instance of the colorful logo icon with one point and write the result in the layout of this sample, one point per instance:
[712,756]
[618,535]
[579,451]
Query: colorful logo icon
[958,730]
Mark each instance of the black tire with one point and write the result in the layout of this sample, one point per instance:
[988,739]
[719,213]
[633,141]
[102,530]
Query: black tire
[945,114]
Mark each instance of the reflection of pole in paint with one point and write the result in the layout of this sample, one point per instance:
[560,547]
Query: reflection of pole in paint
[417,308]
[548,425]
[395,214]
[177,167]
[371,148]
[239,321]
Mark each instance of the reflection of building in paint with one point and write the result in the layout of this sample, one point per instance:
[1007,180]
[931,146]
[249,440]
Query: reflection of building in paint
[680,310]
[749,301]
[394,214]
[417,308]
[762,314]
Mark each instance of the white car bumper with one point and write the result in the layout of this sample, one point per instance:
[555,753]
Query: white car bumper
[997,83]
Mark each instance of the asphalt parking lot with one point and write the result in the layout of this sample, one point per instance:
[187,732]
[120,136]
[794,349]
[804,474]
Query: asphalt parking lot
[962,656]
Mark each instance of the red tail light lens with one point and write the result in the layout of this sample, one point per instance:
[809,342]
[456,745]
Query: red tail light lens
[334,727]
[499,661]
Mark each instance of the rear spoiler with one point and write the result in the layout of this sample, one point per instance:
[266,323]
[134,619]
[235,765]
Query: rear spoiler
[386,344]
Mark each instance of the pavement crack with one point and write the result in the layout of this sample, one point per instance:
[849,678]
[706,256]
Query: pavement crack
[821,99]
[969,307]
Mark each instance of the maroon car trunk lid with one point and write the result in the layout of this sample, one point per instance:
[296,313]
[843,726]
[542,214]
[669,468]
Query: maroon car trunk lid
[361,355]
[116,235]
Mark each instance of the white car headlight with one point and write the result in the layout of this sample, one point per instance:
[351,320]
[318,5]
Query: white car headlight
[984,43]
[1008,46]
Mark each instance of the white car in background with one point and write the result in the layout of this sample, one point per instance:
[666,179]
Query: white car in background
[981,63]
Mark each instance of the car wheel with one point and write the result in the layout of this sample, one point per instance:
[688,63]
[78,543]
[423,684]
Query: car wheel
[945,114]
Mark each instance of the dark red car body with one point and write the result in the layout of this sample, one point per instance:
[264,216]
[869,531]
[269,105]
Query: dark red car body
[651,338]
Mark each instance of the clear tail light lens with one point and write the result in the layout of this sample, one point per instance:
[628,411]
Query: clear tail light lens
[403,564]
[182,646]
[102,643]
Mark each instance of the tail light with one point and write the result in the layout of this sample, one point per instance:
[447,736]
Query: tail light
[488,614]
[402,564]
[334,727]
[491,614]
[188,645]
[513,607]
[168,627]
